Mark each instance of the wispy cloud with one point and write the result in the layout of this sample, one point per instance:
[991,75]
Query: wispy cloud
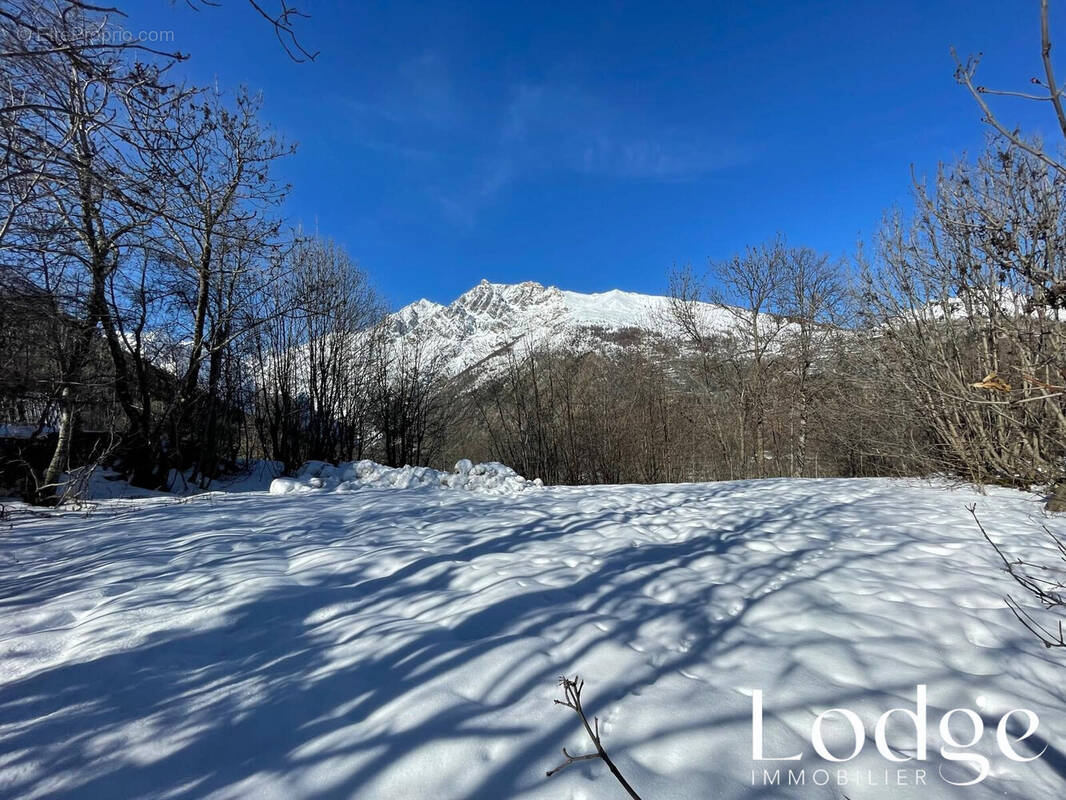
[534,129]
[567,128]
[463,201]
[658,159]
[420,92]
[428,89]
[546,128]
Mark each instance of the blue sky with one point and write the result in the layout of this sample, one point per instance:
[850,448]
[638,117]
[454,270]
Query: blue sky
[595,146]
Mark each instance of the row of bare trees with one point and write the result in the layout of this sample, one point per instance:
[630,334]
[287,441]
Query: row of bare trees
[154,299]
[327,380]
[939,352]
[762,326]
[155,295]
[577,416]
[144,211]
[936,354]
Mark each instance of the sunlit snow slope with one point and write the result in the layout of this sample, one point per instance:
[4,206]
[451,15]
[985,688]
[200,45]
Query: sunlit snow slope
[405,643]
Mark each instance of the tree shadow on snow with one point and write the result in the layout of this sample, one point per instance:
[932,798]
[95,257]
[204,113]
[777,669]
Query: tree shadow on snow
[250,697]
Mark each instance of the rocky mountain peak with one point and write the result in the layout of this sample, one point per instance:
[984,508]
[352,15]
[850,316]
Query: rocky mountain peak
[492,319]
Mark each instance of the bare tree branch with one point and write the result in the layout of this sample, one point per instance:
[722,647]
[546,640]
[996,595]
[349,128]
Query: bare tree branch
[1047,591]
[283,22]
[572,700]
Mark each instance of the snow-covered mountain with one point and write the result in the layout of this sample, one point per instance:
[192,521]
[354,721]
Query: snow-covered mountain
[492,319]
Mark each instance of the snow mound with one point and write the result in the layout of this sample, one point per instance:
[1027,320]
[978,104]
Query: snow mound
[488,478]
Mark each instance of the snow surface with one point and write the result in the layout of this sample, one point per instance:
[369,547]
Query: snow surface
[492,319]
[405,643]
[107,484]
[18,430]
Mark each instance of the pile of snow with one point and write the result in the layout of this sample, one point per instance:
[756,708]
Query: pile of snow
[490,477]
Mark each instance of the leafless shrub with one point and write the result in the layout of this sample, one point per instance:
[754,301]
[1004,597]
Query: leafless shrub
[960,329]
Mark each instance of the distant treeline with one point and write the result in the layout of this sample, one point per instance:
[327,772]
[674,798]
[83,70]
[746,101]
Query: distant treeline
[158,317]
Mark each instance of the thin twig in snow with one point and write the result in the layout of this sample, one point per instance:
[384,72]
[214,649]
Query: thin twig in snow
[572,700]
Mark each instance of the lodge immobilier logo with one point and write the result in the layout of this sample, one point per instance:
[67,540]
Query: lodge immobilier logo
[965,749]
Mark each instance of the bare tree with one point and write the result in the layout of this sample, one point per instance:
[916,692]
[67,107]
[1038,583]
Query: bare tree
[966,74]
[408,401]
[1041,279]
[317,357]
[90,195]
[215,231]
[736,321]
[283,19]
[813,301]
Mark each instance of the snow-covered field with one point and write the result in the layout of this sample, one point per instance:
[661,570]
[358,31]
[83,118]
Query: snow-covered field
[378,642]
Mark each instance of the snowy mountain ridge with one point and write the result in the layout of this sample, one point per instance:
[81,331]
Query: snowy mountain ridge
[493,319]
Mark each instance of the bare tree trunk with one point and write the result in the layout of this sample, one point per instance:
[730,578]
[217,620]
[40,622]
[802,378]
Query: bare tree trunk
[800,465]
[61,456]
